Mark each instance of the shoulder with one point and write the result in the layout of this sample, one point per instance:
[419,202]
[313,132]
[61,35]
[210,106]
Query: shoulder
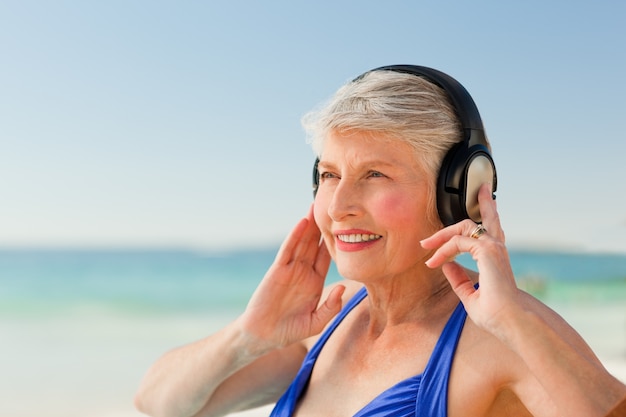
[487,377]
[490,375]
[481,354]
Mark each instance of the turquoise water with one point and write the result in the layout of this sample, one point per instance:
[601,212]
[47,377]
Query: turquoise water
[34,282]
[150,282]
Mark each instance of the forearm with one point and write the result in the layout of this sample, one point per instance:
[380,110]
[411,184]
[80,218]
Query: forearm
[234,367]
[183,380]
[577,384]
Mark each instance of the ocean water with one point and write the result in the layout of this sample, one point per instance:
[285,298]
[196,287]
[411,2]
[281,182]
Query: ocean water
[131,282]
[147,282]
[80,328]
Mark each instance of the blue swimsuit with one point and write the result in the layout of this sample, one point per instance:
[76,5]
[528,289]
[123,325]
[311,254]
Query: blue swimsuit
[423,395]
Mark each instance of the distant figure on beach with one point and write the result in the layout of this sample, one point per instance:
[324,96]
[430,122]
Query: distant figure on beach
[403,183]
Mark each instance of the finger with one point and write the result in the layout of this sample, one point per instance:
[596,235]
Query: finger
[459,281]
[489,212]
[328,309]
[447,250]
[322,262]
[302,243]
[462,228]
[288,247]
[456,244]
[308,247]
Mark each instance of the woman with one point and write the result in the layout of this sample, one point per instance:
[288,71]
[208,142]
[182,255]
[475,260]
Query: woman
[401,345]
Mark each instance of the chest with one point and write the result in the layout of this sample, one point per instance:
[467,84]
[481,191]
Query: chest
[345,386]
[352,373]
[348,379]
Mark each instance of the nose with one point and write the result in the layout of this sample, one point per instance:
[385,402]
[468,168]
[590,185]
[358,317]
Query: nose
[345,201]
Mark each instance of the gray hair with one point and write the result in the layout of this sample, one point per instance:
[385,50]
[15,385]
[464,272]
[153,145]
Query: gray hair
[395,105]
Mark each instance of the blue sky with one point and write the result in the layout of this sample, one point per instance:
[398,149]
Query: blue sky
[150,123]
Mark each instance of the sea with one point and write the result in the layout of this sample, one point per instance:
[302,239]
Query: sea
[79,328]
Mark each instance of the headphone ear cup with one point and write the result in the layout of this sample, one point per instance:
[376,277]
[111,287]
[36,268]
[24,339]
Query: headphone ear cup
[316,177]
[480,170]
[448,206]
[461,175]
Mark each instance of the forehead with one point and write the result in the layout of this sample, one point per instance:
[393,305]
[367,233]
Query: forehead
[361,147]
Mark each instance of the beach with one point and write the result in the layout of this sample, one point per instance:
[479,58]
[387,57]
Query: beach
[80,330]
[90,365]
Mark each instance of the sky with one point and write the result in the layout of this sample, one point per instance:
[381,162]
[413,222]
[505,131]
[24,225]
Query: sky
[153,124]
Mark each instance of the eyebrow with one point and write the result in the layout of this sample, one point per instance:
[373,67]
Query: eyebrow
[366,163]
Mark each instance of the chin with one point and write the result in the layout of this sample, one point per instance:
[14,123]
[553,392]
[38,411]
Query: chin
[354,271]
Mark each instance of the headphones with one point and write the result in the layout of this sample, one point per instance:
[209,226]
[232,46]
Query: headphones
[467,165]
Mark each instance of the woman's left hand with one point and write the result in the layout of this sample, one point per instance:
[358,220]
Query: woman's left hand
[498,291]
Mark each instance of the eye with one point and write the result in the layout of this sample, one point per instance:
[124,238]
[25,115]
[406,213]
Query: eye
[326,175]
[375,174]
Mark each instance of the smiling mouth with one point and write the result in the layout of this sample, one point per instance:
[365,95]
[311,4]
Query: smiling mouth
[357,238]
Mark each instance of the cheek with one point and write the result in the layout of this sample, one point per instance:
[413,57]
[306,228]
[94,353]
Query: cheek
[320,214]
[319,210]
[397,209]
[322,220]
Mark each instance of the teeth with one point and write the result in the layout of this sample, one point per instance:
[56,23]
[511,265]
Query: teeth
[358,238]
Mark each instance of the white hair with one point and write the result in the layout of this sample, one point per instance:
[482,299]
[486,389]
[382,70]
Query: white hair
[393,105]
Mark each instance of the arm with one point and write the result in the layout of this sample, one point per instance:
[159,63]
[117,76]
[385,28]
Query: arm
[557,357]
[244,364]
[211,376]
[619,409]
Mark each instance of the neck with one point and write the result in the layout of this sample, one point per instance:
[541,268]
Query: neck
[412,298]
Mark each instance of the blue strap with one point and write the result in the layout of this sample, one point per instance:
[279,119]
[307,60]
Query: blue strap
[432,398]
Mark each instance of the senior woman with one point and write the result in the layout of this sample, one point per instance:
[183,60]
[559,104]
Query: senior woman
[393,339]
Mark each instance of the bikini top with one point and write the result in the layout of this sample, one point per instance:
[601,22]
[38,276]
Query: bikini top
[422,395]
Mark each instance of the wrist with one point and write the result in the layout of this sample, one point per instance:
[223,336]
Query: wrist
[249,343]
[512,325]
[523,330]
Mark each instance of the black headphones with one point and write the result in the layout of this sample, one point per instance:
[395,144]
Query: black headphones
[467,165]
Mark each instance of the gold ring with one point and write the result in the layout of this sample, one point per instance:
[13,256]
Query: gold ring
[478,231]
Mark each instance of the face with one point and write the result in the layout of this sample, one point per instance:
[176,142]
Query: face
[372,206]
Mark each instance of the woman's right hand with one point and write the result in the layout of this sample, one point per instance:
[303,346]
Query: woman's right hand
[285,308]
[240,366]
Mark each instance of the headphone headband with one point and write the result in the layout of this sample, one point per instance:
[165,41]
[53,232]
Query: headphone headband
[462,101]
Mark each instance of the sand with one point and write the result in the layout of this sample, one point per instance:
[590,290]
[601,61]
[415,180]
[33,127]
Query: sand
[90,364]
